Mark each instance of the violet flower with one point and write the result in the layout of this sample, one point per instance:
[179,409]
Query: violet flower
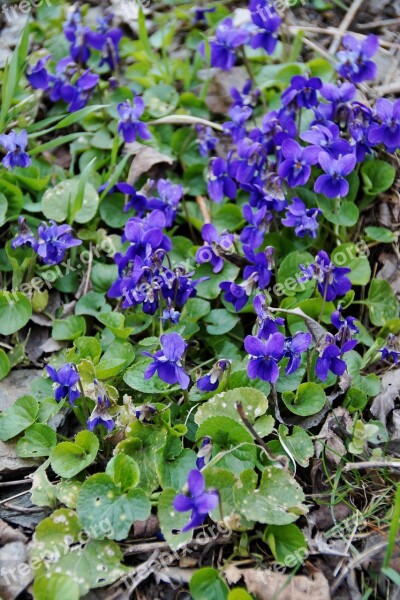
[264,356]
[391,349]
[83,87]
[329,359]
[214,242]
[65,382]
[223,48]
[296,166]
[100,414]
[221,179]
[267,323]
[135,200]
[168,202]
[211,381]
[15,144]
[302,92]
[205,139]
[303,219]
[333,184]
[200,501]
[130,127]
[294,346]
[355,61]
[53,242]
[38,76]
[264,15]
[24,236]
[388,130]
[205,453]
[167,362]
[332,280]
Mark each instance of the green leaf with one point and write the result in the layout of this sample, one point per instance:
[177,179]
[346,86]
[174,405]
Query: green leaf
[43,493]
[254,403]
[39,440]
[124,471]
[232,440]
[299,445]
[347,255]
[382,303]
[58,202]
[91,304]
[12,74]
[115,322]
[239,594]
[85,348]
[278,501]
[18,417]
[287,543]
[380,234]
[220,321]
[210,289]
[69,458]
[173,473]
[369,384]
[206,584]
[355,400]
[160,100]
[69,329]
[308,400]
[172,521]
[345,213]
[55,586]
[3,208]
[4,364]
[195,309]
[15,312]
[100,498]
[377,176]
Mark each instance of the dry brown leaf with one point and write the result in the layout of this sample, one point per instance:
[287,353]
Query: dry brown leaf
[145,158]
[384,403]
[219,99]
[9,534]
[329,438]
[15,573]
[266,584]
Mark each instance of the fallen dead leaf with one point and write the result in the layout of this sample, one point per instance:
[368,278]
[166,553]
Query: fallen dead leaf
[145,158]
[384,403]
[329,438]
[9,534]
[266,584]
[15,573]
[219,99]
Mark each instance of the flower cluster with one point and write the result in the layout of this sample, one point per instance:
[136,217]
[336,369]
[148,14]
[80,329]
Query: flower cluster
[73,82]
[333,347]
[51,243]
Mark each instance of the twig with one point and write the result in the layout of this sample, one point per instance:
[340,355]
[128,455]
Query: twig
[317,48]
[17,482]
[390,88]
[376,24]
[372,464]
[186,120]
[358,560]
[335,33]
[203,209]
[281,459]
[345,24]
[13,497]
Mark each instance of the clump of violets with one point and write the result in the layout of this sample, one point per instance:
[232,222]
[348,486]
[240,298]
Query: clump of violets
[333,347]
[211,381]
[200,502]
[100,414]
[354,62]
[15,146]
[332,280]
[130,127]
[51,243]
[65,382]
[167,362]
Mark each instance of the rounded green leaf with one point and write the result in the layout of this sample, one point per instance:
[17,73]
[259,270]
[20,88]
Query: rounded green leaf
[18,417]
[39,440]
[309,399]
[57,201]
[124,471]
[69,458]
[56,586]
[69,329]
[206,584]
[4,364]
[15,312]
[287,543]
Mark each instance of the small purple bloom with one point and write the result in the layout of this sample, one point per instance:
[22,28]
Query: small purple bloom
[221,179]
[355,61]
[170,314]
[326,137]
[53,242]
[302,92]
[391,349]
[24,237]
[100,414]
[15,144]
[205,139]
[167,362]
[266,323]
[84,87]
[264,356]
[259,273]
[200,502]
[65,382]
[130,126]
[333,184]
[168,202]
[199,14]
[211,381]
[253,234]
[264,15]
[294,346]
[106,39]
[214,243]
[303,219]
[205,453]
[388,130]
[296,166]
[135,200]
[223,49]
[38,76]
[332,280]
[239,116]
[329,359]
[235,294]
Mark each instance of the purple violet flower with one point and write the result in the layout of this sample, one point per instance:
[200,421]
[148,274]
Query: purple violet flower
[296,166]
[100,414]
[329,359]
[24,236]
[214,241]
[205,453]
[205,139]
[53,242]
[38,76]
[302,92]
[264,356]
[221,179]
[355,61]
[266,323]
[168,202]
[391,349]
[211,381]
[65,382]
[264,15]
[332,280]
[167,362]
[15,144]
[130,127]
[294,346]
[333,184]
[388,130]
[223,48]
[200,502]
[303,219]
